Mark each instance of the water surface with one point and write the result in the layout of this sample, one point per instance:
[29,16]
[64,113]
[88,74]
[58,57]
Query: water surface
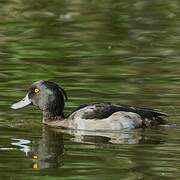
[120,51]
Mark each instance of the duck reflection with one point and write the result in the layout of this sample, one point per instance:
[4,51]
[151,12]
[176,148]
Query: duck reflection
[48,151]
[125,136]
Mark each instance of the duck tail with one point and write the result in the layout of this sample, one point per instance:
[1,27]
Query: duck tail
[157,121]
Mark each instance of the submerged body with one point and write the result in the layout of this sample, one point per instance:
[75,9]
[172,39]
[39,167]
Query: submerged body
[49,97]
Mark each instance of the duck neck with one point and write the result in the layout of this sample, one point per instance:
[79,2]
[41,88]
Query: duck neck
[52,115]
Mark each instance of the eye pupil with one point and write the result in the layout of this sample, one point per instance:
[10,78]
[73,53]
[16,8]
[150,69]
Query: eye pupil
[36,90]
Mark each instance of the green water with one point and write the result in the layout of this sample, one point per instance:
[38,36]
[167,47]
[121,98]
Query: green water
[119,51]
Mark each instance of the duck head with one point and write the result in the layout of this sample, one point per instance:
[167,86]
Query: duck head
[46,95]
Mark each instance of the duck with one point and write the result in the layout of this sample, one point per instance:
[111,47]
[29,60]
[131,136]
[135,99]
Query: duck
[50,98]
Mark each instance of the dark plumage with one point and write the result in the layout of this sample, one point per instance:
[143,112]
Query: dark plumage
[104,110]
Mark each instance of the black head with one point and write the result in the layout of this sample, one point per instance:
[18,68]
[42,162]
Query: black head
[47,95]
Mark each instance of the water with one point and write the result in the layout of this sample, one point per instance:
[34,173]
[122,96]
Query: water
[124,52]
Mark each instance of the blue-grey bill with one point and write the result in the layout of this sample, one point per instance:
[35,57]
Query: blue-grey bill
[24,102]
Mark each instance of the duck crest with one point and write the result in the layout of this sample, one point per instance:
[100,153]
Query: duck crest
[55,102]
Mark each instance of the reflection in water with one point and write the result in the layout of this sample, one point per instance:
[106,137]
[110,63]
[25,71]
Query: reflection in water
[23,143]
[47,152]
[6,149]
[108,137]
[143,152]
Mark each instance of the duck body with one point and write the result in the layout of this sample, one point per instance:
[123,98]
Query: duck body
[107,116]
[49,97]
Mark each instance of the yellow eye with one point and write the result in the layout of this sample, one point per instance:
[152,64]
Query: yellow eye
[35,157]
[36,90]
[35,165]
